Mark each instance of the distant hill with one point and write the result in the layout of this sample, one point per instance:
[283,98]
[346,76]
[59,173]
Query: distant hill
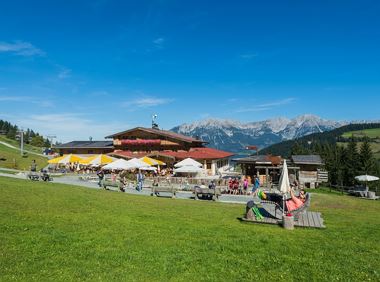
[339,135]
[12,132]
[234,136]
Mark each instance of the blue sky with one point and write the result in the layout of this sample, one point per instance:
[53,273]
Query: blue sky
[90,68]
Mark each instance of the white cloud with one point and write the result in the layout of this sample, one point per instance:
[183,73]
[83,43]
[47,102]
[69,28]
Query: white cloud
[159,42]
[147,102]
[70,126]
[266,106]
[65,73]
[26,99]
[21,48]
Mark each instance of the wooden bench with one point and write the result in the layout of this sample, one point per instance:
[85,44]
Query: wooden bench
[164,189]
[109,183]
[212,194]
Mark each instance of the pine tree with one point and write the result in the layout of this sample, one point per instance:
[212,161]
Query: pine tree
[367,160]
[38,141]
[298,149]
[351,163]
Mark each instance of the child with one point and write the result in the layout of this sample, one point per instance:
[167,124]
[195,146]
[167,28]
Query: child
[245,185]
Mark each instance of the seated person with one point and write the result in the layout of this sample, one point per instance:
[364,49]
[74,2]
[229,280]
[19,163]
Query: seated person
[292,203]
[45,176]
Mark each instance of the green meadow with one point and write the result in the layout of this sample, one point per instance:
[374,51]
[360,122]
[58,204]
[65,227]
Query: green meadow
[59,232]
[371,133]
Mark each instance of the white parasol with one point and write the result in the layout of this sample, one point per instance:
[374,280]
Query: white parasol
[188,169]
[188,162]
[366,178]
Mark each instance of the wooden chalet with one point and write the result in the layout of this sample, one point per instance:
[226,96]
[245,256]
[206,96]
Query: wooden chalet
[167,146]
[310,170]
[266,167]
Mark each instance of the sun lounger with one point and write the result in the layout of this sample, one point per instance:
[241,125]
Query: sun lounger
[277,207]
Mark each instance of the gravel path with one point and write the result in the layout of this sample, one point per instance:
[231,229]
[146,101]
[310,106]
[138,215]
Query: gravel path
[74,180]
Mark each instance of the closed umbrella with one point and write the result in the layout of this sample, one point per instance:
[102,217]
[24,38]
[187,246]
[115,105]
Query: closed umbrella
[284,184]
[284,179]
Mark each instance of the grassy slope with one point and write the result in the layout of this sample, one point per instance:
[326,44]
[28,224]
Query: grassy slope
[21,162]
[374,146]
[371,133]
[59,232]
[17,144]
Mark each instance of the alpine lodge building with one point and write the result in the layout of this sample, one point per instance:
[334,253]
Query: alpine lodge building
[163,145]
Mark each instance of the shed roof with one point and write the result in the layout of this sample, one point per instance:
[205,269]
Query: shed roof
[261,159]
[307,159]
[86,144]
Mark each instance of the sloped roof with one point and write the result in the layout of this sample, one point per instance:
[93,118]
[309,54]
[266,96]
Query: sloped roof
[86,144]
[261,159]
[165,133]
[307,159]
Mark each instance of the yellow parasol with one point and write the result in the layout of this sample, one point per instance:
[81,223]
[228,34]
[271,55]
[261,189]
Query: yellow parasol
[151,161]
[97,160]
[65,159]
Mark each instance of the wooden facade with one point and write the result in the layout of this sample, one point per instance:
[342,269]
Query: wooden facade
[149,140]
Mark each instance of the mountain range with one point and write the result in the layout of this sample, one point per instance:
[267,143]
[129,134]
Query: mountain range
[234,136]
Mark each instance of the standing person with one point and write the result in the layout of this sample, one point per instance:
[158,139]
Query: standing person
[140,180]
[230,186]
[100,175]
[33,166]
[113,176]
[255,185]
[236,186]
[245,185]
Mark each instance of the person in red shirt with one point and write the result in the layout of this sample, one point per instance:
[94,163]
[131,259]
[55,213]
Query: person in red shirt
[295,202]
[236,186]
